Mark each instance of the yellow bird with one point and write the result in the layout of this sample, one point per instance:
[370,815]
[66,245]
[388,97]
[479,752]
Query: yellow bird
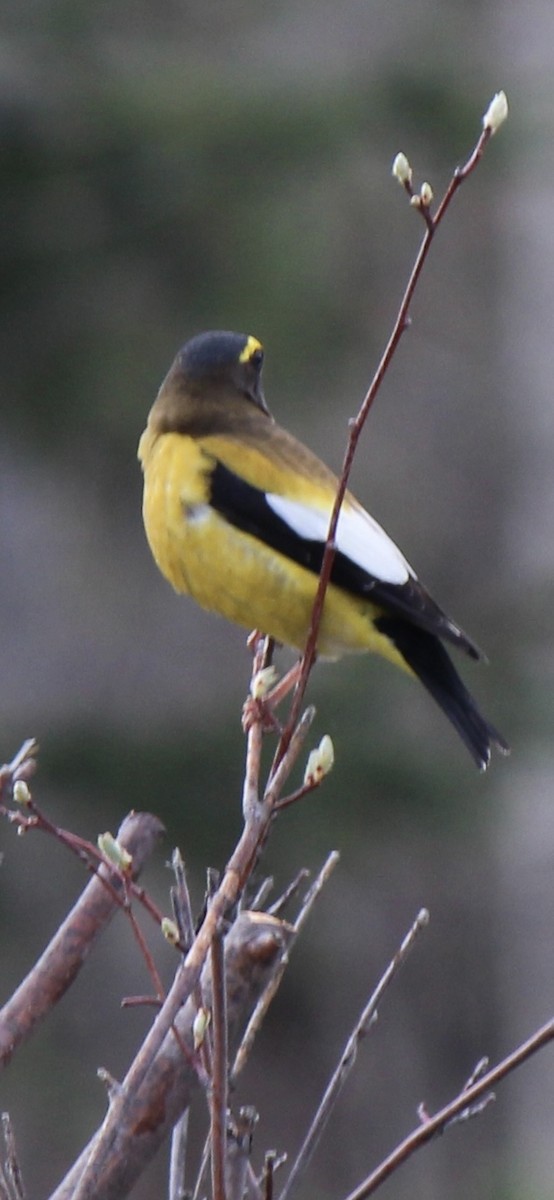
[236,512]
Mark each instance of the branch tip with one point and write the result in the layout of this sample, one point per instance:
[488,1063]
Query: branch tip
[21,793]
[496,113]
[170,931]
[402,170]
[320,762]
[114,852]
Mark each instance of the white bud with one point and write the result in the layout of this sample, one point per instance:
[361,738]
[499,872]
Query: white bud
[496,112]
[263,682]
[114,851]
[21,793]
[170,930]
[402,170]
[426,194]
[415,201]
[199,1026]
[320,762]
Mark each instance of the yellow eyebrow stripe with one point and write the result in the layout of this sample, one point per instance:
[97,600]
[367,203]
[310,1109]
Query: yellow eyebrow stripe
[251,346]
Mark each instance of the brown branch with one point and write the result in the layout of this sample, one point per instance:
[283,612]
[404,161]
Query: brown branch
[258,1016]
[146,954]
[253,948]
[281,770]
[180,899]
[347,1059]
[22,767]
[63,958]
[19,808]
[12,1177]
[178,1158]
[258,816]
[31,817]
[220,1068]
[464,1102]
[280,904]
[239,1175]
[356,425]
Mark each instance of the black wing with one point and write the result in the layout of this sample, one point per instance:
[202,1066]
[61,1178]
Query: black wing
[246,507]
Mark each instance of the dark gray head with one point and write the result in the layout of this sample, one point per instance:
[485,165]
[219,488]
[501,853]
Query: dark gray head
[221,357]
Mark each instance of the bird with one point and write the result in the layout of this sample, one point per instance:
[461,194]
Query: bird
[236,512]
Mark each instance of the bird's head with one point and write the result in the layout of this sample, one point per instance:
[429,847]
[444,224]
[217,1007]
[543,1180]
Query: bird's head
[218,361]
[213,384]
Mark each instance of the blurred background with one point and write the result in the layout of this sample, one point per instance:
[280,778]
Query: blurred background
[170,167]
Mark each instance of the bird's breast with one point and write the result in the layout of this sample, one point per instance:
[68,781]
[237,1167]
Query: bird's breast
[175,502]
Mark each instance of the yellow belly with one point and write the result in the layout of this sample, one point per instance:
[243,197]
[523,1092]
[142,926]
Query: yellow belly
[231,573]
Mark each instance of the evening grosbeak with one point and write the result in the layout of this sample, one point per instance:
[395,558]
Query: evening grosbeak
[236,513]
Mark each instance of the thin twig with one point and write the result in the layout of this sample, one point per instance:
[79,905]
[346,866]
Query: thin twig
[258,1016]
[220,1067]
[467,1098]
[22,766]
[304,790]
[146,954]
[180,899]
[348,1057]
[250,795]
[473,1110]
[356,425]
[277,908]
[258,815]
[182,912]
[178,1158]
[281,770]
[14,1176]
[317,886]
[257,903]
[240,1178]
[272,1162]
[267,1177]
[202,1169]
[31,817]
[4,1187]
[145,1116]
[63,958]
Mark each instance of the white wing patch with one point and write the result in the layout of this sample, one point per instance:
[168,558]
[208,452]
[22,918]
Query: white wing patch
[359,537]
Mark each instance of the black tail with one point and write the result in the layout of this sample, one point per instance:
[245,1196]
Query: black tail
[427,658]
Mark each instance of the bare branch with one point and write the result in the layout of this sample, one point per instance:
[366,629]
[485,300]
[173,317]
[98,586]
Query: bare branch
[258,1016]
[264,890]
[278,907]
[466,1100]
[13,1176]
[62,960]
[180,899]
[356,425]
[258,816]
[202,1169]
[280,771]
[139,1119]
[220,1067]
[178,1158]
[317,886]
[347,1059]
[239,1146]
[22,767]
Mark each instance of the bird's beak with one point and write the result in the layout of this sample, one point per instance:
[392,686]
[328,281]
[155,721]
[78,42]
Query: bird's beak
[256,394]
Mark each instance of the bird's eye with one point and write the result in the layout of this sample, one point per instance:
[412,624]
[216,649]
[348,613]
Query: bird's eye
[257,358]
